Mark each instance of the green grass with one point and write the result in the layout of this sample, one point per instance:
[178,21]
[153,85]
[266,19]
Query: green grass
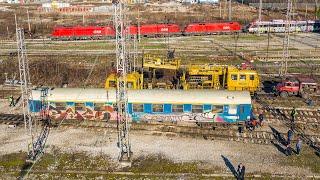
[12,161]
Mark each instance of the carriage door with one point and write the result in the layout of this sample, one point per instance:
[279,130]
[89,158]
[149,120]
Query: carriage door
[251,81]
[242,112]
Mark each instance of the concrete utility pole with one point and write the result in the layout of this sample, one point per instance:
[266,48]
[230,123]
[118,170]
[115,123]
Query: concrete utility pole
[286,41]
[230,11]
[139,32]
[225,9]
[220,10]
[122,69]
[305,15]
[316,8]
[29,25]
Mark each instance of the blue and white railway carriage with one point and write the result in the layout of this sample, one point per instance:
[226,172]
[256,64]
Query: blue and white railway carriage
[279,26]
[148,105]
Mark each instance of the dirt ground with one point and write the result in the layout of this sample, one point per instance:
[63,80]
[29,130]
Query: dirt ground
[259,159]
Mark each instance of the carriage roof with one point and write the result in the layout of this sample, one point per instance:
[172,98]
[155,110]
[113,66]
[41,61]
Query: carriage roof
[148,96]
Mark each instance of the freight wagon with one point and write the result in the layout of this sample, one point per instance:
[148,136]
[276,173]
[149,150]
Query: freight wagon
[194,106]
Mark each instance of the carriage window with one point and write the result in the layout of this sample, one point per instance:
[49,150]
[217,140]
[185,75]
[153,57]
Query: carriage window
[232,109]
[98,106]
[157,107]
[177,108]
[242,77]
[137,107]
[80,107]
[60,106]
[251,77]
[234,77]
[217,109]
[197,108]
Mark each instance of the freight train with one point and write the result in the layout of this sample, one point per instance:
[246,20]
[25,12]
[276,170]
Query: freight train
[148,30]
[192,106]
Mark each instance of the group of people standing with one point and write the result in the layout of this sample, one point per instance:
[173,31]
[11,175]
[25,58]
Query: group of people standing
[298,143]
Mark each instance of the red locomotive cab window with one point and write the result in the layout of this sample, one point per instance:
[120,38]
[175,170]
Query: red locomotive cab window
[288,84]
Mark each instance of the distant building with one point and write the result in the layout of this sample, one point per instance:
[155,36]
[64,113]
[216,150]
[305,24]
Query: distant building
[199,1]
[13,1]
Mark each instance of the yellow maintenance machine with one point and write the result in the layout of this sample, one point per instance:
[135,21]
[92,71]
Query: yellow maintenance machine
[242,79]
[210,76]
[205,76]
[134,81]
[152,64]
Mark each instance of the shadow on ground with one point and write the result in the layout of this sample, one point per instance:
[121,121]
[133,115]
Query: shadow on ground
[230,166]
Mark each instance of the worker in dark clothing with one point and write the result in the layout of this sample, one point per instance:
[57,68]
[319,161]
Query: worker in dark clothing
[241,171]
[290,136]
[261,118]
[288,150]
[299,145]
[11,100]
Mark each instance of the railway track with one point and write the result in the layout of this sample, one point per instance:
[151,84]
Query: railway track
[11,119]
[229,133]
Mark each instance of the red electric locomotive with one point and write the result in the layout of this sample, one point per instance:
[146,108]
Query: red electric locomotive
[211,28]
[83,32]
[148,30]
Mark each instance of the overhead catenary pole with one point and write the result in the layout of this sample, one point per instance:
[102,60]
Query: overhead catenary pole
[286,41]
[26,93]
[259,17]
[121,96]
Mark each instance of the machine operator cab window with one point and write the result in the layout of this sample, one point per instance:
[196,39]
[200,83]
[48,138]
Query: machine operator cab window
[234,77]
[242,77]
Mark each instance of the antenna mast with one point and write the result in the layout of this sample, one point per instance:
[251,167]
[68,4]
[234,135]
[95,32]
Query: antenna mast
[122,70]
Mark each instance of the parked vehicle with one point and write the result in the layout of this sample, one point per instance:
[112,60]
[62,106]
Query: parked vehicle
[300,86]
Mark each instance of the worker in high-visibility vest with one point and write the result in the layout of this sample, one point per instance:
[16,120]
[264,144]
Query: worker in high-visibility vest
[293,116]
[11,100]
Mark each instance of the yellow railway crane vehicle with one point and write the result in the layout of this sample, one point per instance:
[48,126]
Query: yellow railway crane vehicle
[156,62]
[166,65]
[242,79]
[134,81]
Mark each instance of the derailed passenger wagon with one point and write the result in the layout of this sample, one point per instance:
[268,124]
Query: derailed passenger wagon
[191,106]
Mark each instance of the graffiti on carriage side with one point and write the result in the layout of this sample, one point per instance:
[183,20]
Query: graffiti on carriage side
[182,117]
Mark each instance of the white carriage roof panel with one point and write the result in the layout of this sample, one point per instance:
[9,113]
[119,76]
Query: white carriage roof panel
[149,96]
